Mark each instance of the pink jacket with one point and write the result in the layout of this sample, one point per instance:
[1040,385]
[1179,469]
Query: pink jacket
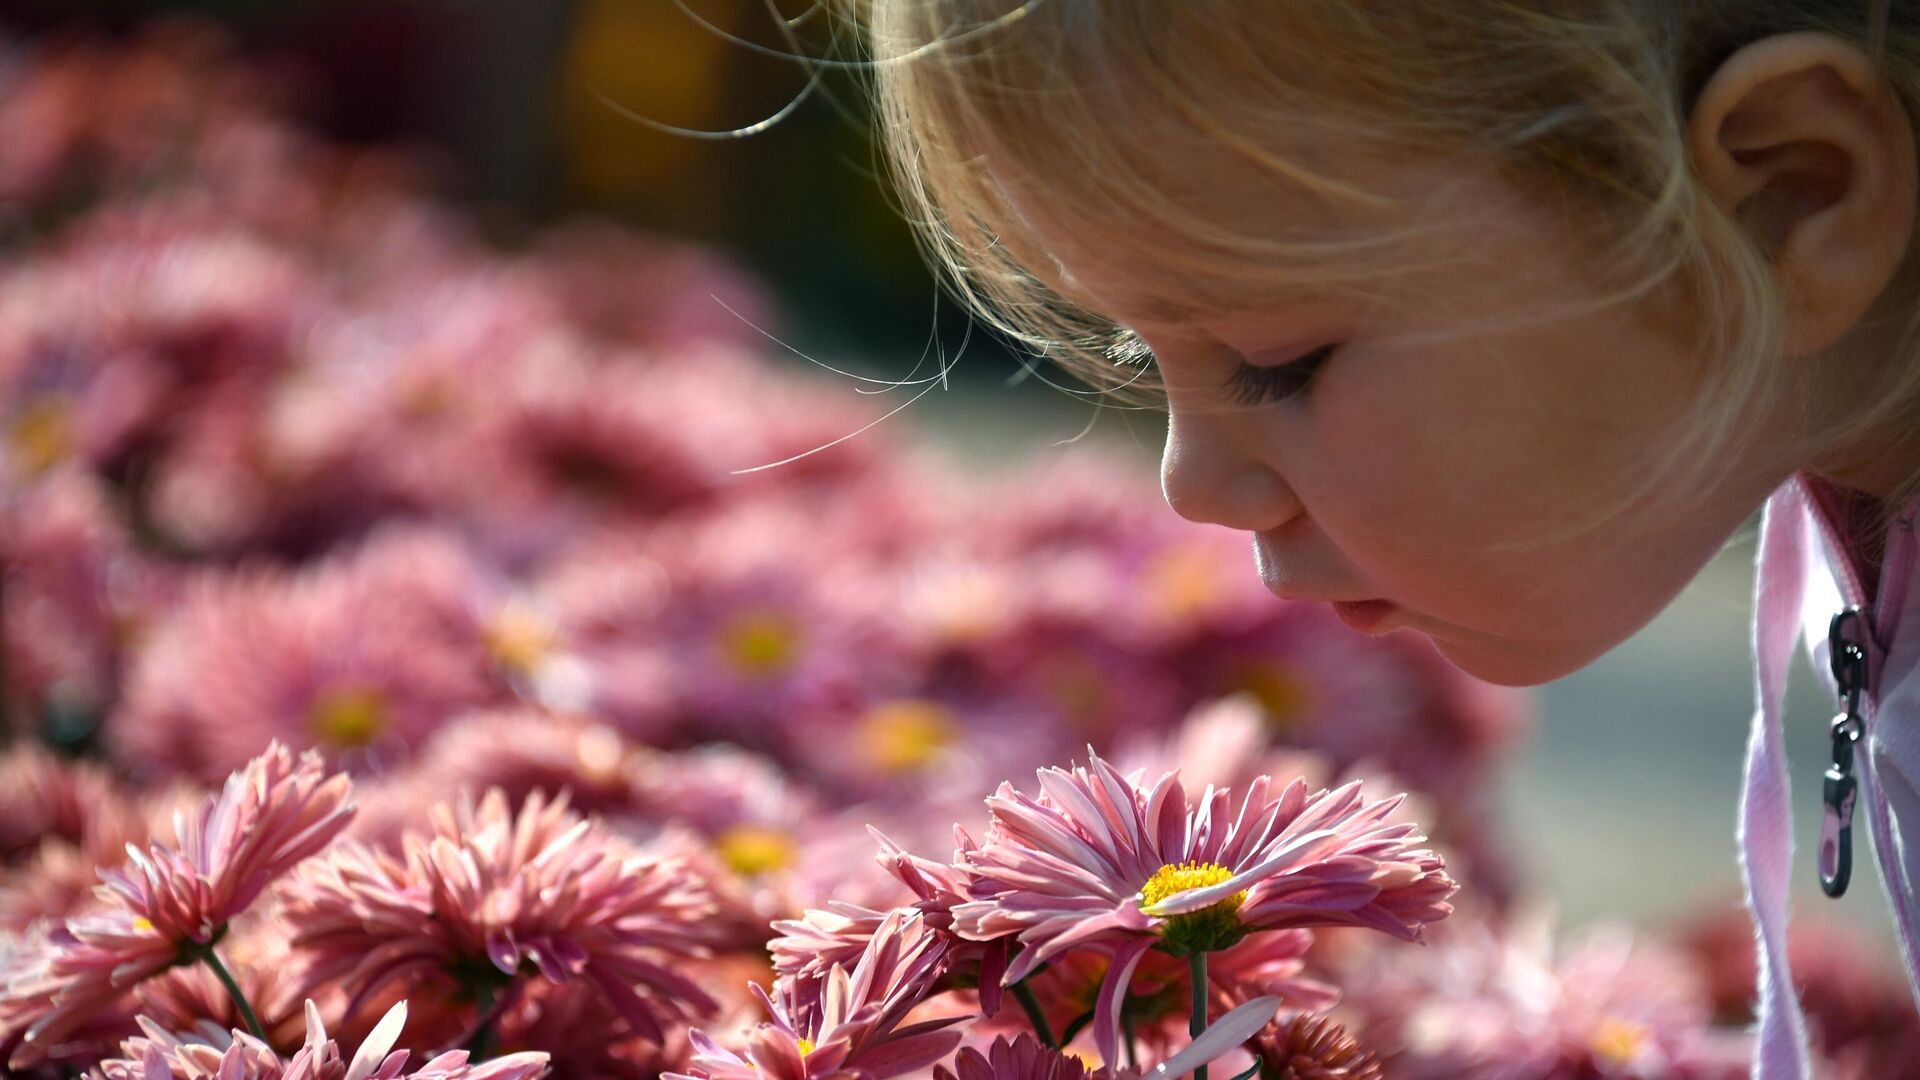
[1870,794]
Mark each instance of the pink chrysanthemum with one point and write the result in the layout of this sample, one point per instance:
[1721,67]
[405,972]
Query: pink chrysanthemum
[1021,1059]
[172,903]
[1159,1001]
[848,1023]
[1307,1046]
[809,947]
[489,894]
[1097,860]
[211,1054]
[256,955]
[571,1025]
[23,961]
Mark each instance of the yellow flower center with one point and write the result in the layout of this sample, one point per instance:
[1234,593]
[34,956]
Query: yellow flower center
[427,398]
[1214,927]
[143,924]
[42,434]
[752,850]
[519,640]
[963,604]
[599,754]
[1285,693]
[905,736]
[760,644]
[1618,1041]
[1082,694]
[348,717]
[1183,582]
[806,1047]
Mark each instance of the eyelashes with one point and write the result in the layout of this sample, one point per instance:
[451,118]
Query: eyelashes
[1252,384]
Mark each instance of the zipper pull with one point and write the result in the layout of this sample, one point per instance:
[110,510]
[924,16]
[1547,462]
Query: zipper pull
[1847,654]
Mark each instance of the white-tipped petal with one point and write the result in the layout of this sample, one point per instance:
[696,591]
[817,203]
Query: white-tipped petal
[379,1041]
[1221,1036]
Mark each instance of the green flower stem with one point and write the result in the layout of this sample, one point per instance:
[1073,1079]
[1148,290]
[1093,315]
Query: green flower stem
[480,1046]
[1197,1023]
[1024,994]
[206,955]
[1074,1028]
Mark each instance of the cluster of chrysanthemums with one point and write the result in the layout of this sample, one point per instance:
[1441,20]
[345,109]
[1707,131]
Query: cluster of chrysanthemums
[403,648]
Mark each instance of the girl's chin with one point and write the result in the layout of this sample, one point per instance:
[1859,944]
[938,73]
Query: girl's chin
[1511,663]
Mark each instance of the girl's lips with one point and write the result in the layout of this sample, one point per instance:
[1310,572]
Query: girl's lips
[1366,616]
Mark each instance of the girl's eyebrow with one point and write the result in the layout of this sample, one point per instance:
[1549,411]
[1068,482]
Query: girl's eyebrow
[1173,312]
[1154,308]
[1168,311]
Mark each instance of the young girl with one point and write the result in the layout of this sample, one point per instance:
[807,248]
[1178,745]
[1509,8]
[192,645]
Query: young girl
[1488,320]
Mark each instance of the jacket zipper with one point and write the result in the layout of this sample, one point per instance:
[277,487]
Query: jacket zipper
[1847,656]
[1852,666]
[1847,652]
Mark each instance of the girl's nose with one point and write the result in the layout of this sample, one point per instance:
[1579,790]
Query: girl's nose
[1206,478]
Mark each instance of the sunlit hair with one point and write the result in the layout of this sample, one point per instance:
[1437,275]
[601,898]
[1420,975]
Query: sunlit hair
[1580,102]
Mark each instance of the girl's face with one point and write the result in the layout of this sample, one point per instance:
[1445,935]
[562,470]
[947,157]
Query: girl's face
[1429,447]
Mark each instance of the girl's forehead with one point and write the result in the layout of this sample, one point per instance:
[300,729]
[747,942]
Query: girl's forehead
[1201,231]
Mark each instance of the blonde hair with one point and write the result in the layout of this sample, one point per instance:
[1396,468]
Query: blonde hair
[1582,102]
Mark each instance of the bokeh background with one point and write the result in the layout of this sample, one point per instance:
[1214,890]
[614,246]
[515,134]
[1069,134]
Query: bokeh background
[524,116]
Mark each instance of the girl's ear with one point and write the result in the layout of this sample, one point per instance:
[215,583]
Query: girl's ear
[1810,148]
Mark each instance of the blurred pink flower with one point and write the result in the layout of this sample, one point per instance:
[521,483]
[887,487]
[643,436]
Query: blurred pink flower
[762,841]
[1097,860]
[490,894]
[396,392]
[742,643]
[1859,1010]
[44,797]
[78,595]
[337,655]
[65,403]
[173,902]
[90,819]
[523,748]
[850,1023]
[1510,1002]
[210,1054]
[87,114]
[583,437]
[624,287]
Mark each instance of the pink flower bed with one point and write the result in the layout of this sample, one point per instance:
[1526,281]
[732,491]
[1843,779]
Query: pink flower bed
[402,648]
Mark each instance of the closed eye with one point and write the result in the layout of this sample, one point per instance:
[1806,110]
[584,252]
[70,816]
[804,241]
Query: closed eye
[1253,384]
